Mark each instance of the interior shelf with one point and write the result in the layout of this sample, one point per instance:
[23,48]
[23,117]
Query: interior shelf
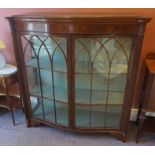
[61,93]
[100,82]
[58,66]
[100,68]
[80,68]
[98,97]
[82,96]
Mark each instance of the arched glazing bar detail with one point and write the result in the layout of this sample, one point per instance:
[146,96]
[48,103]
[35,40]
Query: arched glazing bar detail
[56,43]
[38,66]
[51,58]
[48,60]
[91,59]
[84,51]
[58,52]
[101,48]
[114,71]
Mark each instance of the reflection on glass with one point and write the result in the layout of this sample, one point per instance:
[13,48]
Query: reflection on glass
[101,66]
[46,68]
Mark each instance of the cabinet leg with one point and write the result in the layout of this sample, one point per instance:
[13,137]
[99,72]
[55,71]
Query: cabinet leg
[28,123]
[120,136]
[32,123]
[123,137]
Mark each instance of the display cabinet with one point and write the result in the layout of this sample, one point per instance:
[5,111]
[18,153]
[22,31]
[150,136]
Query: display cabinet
[77,71]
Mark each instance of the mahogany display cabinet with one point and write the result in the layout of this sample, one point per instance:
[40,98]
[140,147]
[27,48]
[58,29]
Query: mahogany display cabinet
[77,71]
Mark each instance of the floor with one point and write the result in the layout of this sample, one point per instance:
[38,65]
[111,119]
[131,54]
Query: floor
[47,136]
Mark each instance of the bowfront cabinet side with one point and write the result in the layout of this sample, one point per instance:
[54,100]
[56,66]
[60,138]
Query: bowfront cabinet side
[77,72]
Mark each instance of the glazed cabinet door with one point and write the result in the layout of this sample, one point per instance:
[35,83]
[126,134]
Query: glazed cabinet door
[46,72]
[100,68]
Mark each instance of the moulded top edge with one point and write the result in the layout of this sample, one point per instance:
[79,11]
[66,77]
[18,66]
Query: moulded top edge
[81,16]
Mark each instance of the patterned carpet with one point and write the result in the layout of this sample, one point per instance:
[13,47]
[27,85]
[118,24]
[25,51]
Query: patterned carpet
[47,136]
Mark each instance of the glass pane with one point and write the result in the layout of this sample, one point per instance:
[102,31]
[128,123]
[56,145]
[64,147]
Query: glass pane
[45,111]
[62,113]
[82,115]
[46,70]
[41,51]
[113,116]
[101,67]
[97,115]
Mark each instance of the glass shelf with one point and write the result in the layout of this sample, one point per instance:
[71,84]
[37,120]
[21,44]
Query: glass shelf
[41,84]
[99,82]
[82,91]
[82,96]
[60,92]
[98,97]
[58,66]
[81,67]
[99,68]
